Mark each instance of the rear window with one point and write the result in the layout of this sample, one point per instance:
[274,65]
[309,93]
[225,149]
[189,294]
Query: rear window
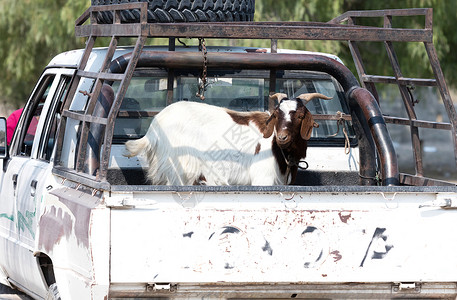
[148,94]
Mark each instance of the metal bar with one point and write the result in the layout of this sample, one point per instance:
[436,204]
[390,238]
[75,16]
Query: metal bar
[384,146]
[361,71]
[407,179]
[381,13]
[272,79]
[407,101]
[429,19]
[80,116]
[85,126]
[136,114]
[101,75]
[360,100]
[84,17]
[418,123]
[332,117]
[400,80]
[108,139]
[251,30]
[83,178]
[118,7]
[171,73]
[143,113]
[444,91]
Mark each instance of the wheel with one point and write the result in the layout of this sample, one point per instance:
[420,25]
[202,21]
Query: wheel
[170,11]
[53,292]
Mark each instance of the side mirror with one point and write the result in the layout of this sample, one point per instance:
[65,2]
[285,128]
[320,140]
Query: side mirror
[3,144]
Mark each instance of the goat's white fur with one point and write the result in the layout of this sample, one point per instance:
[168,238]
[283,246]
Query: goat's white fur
[190,143]
[188,140]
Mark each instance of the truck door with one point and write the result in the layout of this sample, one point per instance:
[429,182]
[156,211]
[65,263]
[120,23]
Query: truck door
[26,177]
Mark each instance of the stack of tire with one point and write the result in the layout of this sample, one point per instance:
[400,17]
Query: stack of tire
[171,11]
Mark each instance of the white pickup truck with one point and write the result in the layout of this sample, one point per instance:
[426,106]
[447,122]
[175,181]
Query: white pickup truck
[78,220]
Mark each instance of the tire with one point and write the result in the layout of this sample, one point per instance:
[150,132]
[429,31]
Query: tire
[171,11]
[53,292]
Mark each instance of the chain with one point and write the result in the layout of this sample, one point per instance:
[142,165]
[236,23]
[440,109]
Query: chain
[202,85]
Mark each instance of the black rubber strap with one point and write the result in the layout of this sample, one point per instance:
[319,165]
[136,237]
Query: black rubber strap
[391,181]
[376,120]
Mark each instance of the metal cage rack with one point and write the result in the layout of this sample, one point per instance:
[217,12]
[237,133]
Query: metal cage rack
[87,26]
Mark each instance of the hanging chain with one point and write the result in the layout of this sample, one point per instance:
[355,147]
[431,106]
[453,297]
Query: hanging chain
[203,79]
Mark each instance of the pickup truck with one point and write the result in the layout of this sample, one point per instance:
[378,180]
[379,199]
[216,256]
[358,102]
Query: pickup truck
[78,220]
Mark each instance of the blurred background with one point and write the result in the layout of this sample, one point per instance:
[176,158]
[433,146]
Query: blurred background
[33,31]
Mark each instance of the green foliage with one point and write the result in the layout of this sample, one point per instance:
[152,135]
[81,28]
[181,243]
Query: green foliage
[412,56]
[33,31]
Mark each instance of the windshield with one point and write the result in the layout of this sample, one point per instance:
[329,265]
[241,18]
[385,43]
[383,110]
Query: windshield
[149,93]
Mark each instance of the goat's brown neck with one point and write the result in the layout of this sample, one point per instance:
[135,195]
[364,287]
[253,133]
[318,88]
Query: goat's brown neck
[293,153]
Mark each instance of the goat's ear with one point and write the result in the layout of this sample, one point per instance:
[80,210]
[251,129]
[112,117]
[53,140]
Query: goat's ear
[270,126]
[307,126]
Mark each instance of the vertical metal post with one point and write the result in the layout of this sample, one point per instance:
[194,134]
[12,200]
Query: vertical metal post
[444,92]
[171,73]
[272,89]
[407,101]
[361,71]
[93,98]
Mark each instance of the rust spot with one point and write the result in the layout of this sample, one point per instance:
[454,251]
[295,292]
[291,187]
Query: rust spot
[344,216]
[324,275]
[336,255]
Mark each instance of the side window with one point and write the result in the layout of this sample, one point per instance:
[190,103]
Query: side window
[53,118]
[33,114]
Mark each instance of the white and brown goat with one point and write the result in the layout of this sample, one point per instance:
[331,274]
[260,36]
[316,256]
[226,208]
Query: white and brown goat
[193,143]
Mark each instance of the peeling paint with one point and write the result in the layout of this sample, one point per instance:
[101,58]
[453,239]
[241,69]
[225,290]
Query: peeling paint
[65,217]
[344,216]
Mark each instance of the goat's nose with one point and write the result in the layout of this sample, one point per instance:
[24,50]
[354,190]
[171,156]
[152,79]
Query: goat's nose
[282,137]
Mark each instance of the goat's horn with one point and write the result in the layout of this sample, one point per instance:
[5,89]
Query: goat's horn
[278,96]
[272,104]
[310,96]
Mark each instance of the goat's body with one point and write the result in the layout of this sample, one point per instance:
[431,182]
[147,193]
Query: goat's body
[192,143]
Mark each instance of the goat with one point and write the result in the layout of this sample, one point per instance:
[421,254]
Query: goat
[195,143]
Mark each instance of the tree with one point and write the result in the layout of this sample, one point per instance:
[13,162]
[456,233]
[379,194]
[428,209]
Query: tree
[412,56]
[33,31]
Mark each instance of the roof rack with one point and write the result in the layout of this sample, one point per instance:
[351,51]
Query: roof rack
[273,31]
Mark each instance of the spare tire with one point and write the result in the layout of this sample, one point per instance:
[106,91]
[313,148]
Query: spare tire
[170,11]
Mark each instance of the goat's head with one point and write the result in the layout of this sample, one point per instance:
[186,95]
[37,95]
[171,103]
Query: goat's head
[291,119]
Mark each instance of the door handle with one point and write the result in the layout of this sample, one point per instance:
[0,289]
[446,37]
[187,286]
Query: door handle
[14,181]
[33,186]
